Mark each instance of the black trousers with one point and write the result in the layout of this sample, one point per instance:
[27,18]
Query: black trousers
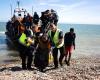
[55,55]
[41,58]
[26,56]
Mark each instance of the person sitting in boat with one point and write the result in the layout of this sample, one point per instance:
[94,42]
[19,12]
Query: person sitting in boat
[44,19]
[35,18]
[15,29]
[28,20]
[20,18]
[54,16]
[47,17]
[24,20]
[9,29]
[14,18]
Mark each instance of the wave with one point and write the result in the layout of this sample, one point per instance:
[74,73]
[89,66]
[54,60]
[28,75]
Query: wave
[3,46]
[2,32]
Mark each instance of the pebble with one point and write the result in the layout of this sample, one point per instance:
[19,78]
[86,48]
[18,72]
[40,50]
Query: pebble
[81,69]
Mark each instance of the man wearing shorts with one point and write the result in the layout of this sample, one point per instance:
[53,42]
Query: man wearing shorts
[69,41]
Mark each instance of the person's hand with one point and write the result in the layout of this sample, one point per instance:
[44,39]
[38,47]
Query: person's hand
[58,44]
[30,40]
[60,41]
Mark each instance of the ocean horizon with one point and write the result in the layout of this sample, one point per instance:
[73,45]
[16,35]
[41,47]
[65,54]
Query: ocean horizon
[87,40]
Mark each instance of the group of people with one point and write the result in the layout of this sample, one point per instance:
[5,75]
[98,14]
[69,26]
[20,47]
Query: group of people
[42,38]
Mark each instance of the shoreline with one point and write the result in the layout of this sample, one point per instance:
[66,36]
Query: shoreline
[80,69]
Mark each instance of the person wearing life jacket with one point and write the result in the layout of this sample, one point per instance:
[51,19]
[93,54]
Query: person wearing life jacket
[24,49]
[57,43]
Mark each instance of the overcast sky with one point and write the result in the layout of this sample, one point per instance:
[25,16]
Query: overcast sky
[69,11]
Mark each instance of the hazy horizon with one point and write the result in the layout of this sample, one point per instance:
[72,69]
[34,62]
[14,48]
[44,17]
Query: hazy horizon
[63,23]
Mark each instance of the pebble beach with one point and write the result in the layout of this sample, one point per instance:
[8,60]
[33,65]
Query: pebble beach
[87,68]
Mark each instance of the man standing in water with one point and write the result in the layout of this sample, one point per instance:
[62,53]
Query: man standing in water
[69,41]
[57,41]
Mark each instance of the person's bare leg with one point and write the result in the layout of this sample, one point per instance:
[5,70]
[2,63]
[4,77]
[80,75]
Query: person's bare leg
[69,57]
[66,55]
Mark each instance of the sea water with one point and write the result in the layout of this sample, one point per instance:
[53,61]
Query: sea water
[5,51]
[87,40]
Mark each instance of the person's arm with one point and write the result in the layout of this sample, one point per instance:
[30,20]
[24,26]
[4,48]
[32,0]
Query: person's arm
[60,37]
[74,40]
[65,36]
